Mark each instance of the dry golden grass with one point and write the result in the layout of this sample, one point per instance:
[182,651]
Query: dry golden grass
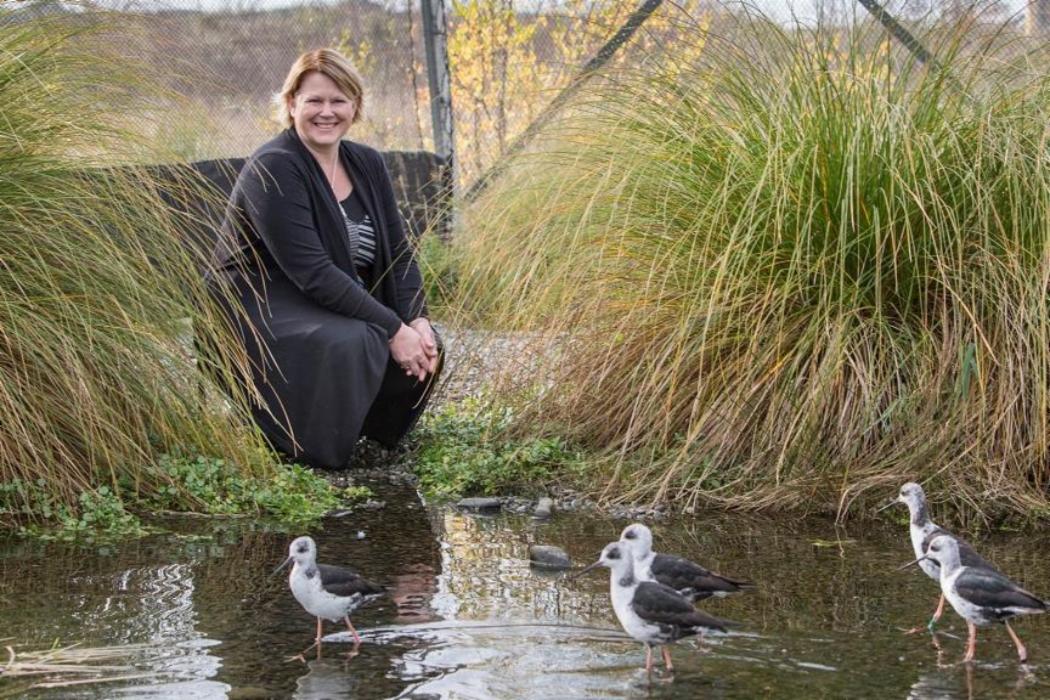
[791,276]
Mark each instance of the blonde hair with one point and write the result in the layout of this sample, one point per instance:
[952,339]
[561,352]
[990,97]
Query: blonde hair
[330,63]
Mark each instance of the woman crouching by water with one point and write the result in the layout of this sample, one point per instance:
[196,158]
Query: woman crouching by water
[313,247]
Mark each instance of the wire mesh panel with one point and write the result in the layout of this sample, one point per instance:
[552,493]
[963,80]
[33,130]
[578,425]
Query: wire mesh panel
[223,60]
[510,58]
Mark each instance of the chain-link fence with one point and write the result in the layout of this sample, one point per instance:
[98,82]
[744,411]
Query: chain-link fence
[224,59]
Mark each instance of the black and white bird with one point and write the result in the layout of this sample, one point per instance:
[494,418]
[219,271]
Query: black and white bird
[981,595]
[648,611]
[326,592]
[688,578]
[922,531]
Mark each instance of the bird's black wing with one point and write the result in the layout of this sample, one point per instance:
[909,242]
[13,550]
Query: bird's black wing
[345,582]
[684,575]
[990,589]
[969,557]
[660,604]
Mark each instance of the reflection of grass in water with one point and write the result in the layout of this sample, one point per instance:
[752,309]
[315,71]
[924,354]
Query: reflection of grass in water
[62,667]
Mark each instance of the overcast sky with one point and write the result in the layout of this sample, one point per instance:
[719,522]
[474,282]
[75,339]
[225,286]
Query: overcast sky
[781,9]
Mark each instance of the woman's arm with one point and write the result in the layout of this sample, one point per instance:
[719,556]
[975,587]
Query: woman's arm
[278,207]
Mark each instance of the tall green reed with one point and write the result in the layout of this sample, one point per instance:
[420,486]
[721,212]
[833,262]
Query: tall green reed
[799,271]
[97,282]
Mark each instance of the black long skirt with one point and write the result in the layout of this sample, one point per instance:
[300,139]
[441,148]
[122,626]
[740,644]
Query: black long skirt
[325,379]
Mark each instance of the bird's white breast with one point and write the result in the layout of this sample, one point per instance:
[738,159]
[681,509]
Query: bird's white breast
[643,568]
[967,610]
[632,624]
[314,599]
[918,535]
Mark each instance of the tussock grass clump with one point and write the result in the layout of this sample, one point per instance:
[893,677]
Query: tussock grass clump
[804,268]
[97,283]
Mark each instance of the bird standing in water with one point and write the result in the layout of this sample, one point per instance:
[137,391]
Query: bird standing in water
[648,611]
[688,578]
[922,531]
[981,596]
[326,592]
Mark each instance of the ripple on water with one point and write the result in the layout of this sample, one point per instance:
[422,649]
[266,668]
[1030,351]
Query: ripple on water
[468,618]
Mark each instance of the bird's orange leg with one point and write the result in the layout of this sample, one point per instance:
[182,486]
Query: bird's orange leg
[667,658]
[357,639]
[971,643]
[933,620]
[1022,653]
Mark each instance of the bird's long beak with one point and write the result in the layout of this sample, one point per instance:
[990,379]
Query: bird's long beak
[913,563]
[884,506]
[584,570]
[284,563]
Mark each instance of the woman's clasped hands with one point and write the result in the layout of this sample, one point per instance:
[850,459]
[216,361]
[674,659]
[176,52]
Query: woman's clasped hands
[414,348]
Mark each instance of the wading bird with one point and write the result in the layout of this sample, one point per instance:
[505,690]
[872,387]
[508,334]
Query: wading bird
[688,578]
[922,531]
[648,611]
[326,592]
[981,596]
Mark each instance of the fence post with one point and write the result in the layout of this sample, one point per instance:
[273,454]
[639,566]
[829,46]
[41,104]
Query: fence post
[435,45]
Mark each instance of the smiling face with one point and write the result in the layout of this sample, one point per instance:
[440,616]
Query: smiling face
[321,112]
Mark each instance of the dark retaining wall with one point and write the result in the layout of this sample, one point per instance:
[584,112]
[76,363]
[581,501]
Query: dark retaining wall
[420,179]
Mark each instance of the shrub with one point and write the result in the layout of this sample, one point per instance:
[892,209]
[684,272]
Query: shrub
[97,372]
[465,449]
[803,267]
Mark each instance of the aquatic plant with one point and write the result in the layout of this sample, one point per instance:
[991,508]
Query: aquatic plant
[463,449]
[101,297]
[290,494]
[801,268]
[26,670]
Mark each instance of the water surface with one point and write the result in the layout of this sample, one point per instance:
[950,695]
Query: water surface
[468,618]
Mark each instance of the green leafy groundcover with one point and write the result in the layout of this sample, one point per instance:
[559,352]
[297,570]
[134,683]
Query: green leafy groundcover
[291,495]
[465,449]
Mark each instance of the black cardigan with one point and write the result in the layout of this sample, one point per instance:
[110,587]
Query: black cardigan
[283,218]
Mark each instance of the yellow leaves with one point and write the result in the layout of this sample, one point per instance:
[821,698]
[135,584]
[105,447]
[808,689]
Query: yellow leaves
[361,53]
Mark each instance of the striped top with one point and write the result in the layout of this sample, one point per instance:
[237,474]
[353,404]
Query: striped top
[360,230]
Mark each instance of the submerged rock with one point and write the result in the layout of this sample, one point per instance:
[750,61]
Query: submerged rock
[249,692]
[544,508]
[480,504]
[549,557]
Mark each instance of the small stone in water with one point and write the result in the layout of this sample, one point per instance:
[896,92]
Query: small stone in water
[549,557]
[544,508]
[480,503]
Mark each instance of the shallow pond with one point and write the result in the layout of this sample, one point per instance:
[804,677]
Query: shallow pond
[468,618]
